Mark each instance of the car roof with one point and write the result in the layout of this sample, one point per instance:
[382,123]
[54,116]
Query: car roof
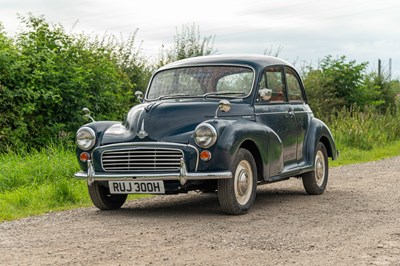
[252,60]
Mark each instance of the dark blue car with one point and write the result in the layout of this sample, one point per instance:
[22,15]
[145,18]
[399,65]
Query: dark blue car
[223,123]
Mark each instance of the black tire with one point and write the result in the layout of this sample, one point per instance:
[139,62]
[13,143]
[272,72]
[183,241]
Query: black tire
[237,195]
[315,182]
[102,199]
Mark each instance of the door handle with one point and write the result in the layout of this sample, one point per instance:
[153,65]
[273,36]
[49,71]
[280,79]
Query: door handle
[291,113]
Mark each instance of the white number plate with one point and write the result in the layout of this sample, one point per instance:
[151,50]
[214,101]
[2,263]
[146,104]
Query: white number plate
[136,187]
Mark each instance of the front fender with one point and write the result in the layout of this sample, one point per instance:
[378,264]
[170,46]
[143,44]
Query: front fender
[99,127]
[262,140]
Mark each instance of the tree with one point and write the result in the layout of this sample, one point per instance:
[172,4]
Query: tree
[187,43]
[385,97]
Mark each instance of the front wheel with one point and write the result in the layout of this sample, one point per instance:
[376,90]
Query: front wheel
[315,182]
[237,195]
[103,199]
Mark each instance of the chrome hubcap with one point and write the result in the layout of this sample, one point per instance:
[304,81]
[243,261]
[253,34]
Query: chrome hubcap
[243,182]
[319,168]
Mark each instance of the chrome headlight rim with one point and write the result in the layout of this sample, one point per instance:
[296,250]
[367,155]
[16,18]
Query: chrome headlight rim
[212,137]
[91,138]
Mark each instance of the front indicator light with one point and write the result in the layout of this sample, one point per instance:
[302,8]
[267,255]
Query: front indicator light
[205,155]
[84,157]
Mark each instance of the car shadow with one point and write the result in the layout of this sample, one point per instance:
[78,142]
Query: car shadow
[202,204]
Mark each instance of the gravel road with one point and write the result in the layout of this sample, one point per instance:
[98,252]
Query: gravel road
[355,222]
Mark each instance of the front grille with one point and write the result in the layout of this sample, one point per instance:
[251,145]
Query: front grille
[142,160]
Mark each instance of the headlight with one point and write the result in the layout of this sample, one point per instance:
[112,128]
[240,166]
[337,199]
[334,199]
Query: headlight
[205,135]
[85,138]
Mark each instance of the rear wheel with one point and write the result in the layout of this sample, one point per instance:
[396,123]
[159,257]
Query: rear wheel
[103,199]
[237,195]
[315,182]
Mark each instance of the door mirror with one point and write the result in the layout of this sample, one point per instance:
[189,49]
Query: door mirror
[265,94]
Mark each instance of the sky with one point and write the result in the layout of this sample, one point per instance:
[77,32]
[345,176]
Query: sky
[302,31]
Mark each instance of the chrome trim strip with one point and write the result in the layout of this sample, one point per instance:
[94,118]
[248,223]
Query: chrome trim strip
[172,176]
[182,176]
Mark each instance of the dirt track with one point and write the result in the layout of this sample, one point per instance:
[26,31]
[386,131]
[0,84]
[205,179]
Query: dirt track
[356,222]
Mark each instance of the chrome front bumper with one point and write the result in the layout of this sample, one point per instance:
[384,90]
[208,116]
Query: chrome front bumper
[183,176]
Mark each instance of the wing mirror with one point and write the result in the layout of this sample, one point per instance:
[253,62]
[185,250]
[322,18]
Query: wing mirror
[224,106]
[139,96]
[265,94]
[86,113]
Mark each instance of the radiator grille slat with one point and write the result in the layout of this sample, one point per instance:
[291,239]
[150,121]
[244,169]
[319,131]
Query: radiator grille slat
[142,160]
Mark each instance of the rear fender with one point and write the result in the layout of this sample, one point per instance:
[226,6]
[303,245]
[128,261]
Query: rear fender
[319,132]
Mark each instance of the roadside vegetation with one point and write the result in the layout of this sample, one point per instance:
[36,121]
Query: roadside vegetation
[47,76]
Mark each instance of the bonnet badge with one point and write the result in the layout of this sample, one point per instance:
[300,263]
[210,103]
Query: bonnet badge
[142,133]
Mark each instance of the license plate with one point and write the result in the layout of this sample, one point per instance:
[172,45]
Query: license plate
[136,187]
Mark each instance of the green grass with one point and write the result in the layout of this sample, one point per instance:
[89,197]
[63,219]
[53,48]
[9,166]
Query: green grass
[39,182]
[353,155]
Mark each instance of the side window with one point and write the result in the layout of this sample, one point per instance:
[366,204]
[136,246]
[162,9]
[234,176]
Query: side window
[271,87]
[293,86]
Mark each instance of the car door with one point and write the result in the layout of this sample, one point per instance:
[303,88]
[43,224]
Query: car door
[302,112]
[277,113]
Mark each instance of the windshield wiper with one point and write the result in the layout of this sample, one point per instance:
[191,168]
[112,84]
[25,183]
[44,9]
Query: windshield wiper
[171,96]
[223,93]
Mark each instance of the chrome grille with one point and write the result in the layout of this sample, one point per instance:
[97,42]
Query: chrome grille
[142,160]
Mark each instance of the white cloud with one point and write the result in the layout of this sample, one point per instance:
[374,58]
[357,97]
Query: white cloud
[308,30]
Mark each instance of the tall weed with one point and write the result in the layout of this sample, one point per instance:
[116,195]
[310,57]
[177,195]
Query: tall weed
[366,129]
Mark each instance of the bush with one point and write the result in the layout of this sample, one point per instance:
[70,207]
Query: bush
[339,82]
[48,76]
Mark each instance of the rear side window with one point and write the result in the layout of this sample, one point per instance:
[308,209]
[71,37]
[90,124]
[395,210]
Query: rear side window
[294,91]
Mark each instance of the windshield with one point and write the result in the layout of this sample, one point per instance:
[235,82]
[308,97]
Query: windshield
[202,81]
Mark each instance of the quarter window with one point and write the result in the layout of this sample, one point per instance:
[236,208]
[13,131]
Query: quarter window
[293,86]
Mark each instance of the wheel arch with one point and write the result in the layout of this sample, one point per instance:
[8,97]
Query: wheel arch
[254,150]
[319,132]
[324,140]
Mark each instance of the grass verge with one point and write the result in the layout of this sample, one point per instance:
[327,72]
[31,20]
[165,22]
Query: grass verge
[39,182]
[354,155]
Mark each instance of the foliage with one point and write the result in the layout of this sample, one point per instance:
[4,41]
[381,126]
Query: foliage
[339,82]
[321,97]
[385,97]
[365,130]
[48,76]
[130,60]
[349,155]
[40,181]
[271,51]
[187,43]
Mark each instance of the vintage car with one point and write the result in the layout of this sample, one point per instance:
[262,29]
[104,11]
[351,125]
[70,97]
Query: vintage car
[221,123]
